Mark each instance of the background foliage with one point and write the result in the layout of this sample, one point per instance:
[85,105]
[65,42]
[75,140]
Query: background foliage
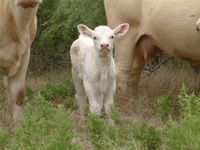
[57,22]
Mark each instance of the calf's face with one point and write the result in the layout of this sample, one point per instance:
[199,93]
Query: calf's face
[27,3]
[103,36]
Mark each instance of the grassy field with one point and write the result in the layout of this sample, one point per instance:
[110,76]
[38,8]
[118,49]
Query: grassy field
[164,117]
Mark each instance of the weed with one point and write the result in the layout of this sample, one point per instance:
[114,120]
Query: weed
[167,106]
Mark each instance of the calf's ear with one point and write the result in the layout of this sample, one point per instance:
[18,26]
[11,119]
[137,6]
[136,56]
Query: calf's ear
[84,30]
[121,29]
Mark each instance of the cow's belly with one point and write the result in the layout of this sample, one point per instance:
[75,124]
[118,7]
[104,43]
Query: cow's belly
[172,25]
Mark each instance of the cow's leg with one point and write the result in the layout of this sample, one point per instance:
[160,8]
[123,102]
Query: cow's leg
[124,58]
[5,81]
[136,69]
[198,25]
[81,97]
[15,92]
[95,99]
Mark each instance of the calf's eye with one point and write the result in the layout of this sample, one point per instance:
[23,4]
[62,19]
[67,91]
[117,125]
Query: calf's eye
[95,37]
[112,37]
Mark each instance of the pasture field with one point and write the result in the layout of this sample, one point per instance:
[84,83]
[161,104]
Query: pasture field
[165,116]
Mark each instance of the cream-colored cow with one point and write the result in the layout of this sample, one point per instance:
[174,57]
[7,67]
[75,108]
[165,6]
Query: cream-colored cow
[18,24]
[198,24]
[155,25]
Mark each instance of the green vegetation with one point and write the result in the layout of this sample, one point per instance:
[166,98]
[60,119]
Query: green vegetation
[123,135]
[48,124]
[185,133]
[58,22]
[50,120]
[167,106]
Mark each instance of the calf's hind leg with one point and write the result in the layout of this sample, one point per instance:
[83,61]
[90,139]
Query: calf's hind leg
[81,97]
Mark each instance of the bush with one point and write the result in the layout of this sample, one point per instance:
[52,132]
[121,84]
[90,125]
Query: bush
[57,30]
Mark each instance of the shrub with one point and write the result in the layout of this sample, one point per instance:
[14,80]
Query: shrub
[190,103]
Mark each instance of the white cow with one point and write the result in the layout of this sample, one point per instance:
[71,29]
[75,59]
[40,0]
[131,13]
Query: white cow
[93,67]
[198,25]
[167,25]
[18,24]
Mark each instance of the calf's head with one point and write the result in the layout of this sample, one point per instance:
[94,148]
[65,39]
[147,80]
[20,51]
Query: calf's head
[103,36]
[28,3]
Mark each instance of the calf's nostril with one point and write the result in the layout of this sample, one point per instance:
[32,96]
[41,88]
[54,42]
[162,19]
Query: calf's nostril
[104,45]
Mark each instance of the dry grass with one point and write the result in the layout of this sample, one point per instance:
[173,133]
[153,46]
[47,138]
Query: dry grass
[168,79]
[37,81]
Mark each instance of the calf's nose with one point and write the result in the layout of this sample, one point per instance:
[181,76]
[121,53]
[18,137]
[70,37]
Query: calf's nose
[104,45]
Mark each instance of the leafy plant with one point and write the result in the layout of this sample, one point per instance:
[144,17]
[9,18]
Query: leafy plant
[43,127]
[190,103]
[167,106]
[184,135]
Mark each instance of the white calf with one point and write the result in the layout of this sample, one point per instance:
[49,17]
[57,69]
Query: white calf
[93,67]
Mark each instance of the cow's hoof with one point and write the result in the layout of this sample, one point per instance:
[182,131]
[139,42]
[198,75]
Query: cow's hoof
[17,114]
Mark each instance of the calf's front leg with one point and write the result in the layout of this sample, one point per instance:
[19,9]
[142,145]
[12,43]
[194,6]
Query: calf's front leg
[94,98]
[108,102]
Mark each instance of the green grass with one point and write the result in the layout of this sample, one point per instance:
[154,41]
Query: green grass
[167,106]
[183,135]
[43,127]
[123,135]
[47,127]
[48,124]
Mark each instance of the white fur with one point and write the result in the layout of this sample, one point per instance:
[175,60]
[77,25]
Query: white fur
[93,68]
